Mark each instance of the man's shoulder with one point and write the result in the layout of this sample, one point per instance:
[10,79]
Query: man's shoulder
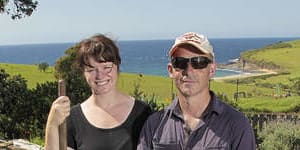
[229,111]
[141,104]
[157,114]
[156,117]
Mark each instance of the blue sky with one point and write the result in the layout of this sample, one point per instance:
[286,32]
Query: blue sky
[73,20]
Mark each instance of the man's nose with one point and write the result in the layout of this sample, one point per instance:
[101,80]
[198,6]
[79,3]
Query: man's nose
[187,70]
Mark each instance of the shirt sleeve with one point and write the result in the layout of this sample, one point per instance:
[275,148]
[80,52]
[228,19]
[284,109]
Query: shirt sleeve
[244,138]
[148,131]
[70,134]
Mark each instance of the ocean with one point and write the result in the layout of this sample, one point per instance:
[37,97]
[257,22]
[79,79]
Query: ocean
[142,56]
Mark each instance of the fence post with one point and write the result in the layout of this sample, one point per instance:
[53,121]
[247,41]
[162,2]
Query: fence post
[62,130]
[261,121]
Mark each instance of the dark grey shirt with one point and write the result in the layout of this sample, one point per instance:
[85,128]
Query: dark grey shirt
[221,127]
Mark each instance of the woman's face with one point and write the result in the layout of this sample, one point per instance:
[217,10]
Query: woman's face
[101,77]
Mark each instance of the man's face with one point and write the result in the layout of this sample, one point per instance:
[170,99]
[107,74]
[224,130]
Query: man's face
[191,81]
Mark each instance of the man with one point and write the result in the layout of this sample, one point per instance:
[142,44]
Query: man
[196,119]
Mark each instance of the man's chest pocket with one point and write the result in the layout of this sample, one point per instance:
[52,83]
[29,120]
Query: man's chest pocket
[217,148]
[171,146]
[222,146]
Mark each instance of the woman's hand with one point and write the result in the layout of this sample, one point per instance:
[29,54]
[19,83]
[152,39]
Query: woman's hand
[59,111]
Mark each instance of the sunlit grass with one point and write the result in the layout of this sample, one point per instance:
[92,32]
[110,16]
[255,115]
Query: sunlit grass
[257,98]
[31,73]
[269,104]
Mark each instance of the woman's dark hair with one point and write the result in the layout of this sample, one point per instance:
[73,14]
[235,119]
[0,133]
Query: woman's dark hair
[99,47]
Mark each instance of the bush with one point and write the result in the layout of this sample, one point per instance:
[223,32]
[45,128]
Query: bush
[280,136]
[153,103]
[23,111]
[16,107]
[224,98]
[139,94]
[296,85]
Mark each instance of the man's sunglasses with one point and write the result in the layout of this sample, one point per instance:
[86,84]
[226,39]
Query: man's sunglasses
[198,62]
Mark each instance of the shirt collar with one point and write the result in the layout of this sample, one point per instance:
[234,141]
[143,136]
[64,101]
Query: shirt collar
[213,106]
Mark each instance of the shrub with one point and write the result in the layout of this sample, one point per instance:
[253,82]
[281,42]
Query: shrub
[224,98]
[139,94]
[280,136]
[16,107]
[153,103]
[296,85]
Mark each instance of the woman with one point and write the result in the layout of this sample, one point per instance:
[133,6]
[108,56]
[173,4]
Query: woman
[108,119]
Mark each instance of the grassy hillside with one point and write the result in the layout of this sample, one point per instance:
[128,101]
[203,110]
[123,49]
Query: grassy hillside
[282,54]
[160,86]
[286,56]
[259,91]
[157,85]
[30,72]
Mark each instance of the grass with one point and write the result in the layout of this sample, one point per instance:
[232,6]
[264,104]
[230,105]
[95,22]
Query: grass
[257,98]
[149,84]
[30,72]
[269,104]
[286,58]
[157,85]
[261,99]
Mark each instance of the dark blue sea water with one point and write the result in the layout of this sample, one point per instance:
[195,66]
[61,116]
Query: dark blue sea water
[146,57]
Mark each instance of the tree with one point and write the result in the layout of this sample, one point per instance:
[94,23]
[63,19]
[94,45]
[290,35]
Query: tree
[65,68]
[18,9]
[16,120]
[42,96]
[23,111]
[43,66]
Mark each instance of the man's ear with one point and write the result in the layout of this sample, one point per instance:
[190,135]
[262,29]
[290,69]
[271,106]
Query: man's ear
[170,70]
[212,70]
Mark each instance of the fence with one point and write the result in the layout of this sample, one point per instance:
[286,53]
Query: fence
[259,120]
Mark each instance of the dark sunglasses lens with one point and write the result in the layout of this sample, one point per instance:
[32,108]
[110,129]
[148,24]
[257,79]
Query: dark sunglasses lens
[196,62]
[180,63]
[199,62]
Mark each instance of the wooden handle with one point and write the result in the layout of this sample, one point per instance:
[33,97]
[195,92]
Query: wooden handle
[62,129]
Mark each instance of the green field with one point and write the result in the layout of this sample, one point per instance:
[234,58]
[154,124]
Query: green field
[257,98]
[149,84]
[31,73]
[287,58]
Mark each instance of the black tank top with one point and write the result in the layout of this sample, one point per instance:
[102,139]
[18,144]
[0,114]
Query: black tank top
[84,136]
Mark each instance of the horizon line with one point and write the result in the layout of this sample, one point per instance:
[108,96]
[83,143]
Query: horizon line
[162,39]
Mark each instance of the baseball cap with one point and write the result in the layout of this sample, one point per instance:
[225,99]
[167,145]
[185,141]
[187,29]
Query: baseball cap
[197,40]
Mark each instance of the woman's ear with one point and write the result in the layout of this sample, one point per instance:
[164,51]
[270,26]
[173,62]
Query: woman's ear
[170,70]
